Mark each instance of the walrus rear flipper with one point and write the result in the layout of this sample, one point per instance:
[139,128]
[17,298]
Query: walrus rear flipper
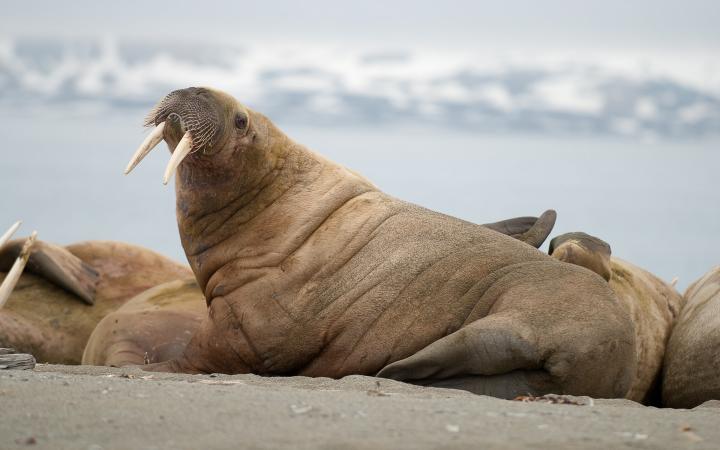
[490,356]
[508,385]
[531,230]
[57,265]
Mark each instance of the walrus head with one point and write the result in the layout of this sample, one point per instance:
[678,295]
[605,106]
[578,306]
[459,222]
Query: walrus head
[583,250]
[198,123]
[230,162]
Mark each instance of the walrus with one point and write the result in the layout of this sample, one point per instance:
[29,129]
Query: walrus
[17,266]
[652,304]
[156,325]
[152,327]
[691,371]
[65,291]
[307,268]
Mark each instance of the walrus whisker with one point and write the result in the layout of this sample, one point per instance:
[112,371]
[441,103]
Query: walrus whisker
[9,233]
[181,151]
[148,144]
[16,270]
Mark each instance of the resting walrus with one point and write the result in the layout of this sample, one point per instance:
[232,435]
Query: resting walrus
[652,304]
[156,325]
[691,373]
[307,268]
[66,291]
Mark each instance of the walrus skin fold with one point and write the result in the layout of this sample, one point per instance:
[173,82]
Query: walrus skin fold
[309,269]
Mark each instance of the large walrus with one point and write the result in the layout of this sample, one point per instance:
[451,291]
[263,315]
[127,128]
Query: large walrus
[66,291]
[691,374]
[652,304]
[156,325]
[308,268]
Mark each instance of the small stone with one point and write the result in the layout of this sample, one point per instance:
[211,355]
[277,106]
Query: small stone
[300,409]
[452,428]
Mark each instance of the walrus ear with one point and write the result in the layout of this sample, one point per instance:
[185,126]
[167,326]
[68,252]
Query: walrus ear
[531,230]
[56,265]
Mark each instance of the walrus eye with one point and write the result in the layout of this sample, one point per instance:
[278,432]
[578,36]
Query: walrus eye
[241,121]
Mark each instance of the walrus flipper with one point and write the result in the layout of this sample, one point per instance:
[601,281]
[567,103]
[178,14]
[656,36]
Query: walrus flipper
[531,230]
[57,265]
[488,357]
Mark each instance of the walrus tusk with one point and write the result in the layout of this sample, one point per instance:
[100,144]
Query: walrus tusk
[181,151]
[16,270]
[148,144]
[9,233]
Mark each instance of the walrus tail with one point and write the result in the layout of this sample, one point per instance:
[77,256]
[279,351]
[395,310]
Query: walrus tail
[57,265]
[531,230]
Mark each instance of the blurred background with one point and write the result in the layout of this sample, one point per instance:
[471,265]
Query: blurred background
[608,112]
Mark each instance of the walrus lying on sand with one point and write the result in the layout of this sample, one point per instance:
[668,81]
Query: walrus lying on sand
[156,325]
[152,327]
[66,291]
[15,267]
[308,268]
[652,304]
[691,374]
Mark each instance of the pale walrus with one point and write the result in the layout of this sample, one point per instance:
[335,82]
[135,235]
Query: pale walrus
[652,304]
[66,291]
[309,269]
[156,325]
[152,327]
[691,374]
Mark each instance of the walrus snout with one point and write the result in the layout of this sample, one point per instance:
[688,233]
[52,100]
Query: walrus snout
[191,117]
[191,109]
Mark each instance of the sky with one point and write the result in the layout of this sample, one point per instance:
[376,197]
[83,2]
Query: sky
[690,25]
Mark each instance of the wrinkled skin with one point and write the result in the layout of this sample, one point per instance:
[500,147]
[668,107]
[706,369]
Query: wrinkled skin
[54,324]
[156,325]
[691,374]
[652,304]
[309,269]
[152,327]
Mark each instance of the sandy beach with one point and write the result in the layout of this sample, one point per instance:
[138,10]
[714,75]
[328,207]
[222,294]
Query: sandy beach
[83,407]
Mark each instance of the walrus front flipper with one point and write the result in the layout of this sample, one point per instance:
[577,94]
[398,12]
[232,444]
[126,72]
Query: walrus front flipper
[57,265]
[583,250]
[531,230]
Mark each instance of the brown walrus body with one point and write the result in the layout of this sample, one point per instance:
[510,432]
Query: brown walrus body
[652,304]
[48,314]
[309,269]
[156,325]
[152,327]
[691,374]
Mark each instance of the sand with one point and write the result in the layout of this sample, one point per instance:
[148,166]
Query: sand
[82,407]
